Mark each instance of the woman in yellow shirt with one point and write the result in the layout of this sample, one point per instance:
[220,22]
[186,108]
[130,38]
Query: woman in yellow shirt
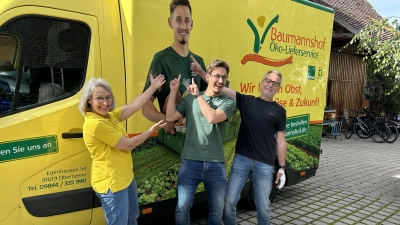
[110,147]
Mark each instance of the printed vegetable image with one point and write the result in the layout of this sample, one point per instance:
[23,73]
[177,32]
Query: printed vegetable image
[311,142]
[156,186]
[157,175]
[297,157]
[156,165]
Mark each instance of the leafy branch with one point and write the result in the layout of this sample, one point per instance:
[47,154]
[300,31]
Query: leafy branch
[379,43]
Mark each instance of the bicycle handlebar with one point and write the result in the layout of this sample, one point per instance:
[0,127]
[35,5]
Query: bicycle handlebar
[358,112]
[370,113]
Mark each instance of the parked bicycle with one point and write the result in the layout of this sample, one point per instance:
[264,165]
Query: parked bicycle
[394,128]
[394,133]
[392,125]
[367,127]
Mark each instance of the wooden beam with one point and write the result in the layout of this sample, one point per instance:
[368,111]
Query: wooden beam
[343,36]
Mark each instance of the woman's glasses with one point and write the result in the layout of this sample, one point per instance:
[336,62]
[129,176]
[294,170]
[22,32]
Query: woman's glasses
[100,100]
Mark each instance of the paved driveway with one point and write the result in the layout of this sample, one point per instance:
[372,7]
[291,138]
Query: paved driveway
[358,182]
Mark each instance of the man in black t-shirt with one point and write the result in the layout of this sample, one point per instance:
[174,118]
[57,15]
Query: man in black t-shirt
[262,129]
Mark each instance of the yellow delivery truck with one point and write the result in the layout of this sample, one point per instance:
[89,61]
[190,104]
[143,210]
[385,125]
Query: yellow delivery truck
[44,165]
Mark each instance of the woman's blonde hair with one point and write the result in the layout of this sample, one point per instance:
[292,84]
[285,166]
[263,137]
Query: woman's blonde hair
[87,94]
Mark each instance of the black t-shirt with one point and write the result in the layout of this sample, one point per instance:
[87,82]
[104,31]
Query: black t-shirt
[260,120]
[171,64]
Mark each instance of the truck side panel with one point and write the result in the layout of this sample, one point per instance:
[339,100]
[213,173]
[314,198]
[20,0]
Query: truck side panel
[43,160]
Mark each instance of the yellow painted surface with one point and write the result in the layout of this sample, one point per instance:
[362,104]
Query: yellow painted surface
[222,31]
[123,40]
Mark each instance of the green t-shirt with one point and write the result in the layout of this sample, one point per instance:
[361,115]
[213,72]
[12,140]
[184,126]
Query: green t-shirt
[171,64]
[203,141]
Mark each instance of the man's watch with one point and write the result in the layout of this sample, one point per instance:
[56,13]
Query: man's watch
[197,94]
[282,167]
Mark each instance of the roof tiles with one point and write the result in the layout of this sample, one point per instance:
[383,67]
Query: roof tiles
[356,13]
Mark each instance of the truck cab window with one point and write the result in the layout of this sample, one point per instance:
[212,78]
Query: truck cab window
[42,60]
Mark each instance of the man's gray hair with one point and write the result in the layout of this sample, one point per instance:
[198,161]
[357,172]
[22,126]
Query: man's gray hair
[87,94]
[276,72]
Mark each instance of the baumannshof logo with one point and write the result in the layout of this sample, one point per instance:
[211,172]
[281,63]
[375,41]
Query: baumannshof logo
[255,57]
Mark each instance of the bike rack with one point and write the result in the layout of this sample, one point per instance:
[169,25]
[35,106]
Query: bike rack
[335,128]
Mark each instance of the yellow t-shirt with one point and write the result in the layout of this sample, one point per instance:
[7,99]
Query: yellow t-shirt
[111,168]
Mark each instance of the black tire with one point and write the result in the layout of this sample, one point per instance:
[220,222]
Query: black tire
[394,133]
[273,192]
[364,134]
[380,133]
[349,129]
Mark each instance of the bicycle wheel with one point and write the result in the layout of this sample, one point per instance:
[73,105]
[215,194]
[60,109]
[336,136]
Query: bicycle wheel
[394,133]
[349,129]
[365,131]
[380,132]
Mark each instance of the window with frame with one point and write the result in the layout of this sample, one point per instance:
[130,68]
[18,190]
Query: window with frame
[42,60]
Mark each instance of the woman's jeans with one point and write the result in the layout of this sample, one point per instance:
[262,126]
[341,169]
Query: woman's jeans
[262,175]
[191,173]
[121,207]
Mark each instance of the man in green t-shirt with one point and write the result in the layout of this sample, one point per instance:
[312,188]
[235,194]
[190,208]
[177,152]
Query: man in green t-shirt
[202,158]
[173,60]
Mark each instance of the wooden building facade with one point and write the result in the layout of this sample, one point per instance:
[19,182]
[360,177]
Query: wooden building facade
[346,82]
[347,77]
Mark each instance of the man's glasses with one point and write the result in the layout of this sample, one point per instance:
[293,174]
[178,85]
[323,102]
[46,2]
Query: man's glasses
[108,99]
[269,82]
[217,77]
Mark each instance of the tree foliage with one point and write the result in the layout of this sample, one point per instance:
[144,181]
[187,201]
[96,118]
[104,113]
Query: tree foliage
[384,53]
[379,43]
[381,91]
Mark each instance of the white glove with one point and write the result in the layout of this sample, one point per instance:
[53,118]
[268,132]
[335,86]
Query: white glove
[282,179]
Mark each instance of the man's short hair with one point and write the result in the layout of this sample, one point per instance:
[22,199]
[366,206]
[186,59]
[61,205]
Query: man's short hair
[217,63]
[175,3]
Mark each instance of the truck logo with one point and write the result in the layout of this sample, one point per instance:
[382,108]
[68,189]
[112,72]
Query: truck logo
[255,57]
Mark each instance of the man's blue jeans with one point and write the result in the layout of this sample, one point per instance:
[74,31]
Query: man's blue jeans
[121,207]
[262,175]
[191,173]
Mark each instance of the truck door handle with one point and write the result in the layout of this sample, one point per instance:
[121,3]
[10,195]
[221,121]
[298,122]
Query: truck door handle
[68,135]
